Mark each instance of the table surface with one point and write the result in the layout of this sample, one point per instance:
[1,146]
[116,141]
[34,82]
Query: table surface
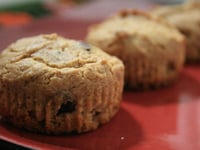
[70,18]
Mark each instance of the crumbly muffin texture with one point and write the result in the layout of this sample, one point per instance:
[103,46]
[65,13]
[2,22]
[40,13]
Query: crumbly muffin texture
[53,85]
[186,18]
[152,50]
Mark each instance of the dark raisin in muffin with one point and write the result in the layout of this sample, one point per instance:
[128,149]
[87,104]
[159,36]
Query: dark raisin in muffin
[53,85]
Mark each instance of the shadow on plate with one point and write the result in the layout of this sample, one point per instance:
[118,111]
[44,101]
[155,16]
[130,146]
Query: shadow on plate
[185,86]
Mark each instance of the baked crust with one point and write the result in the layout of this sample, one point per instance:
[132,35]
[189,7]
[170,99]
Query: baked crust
[53,85]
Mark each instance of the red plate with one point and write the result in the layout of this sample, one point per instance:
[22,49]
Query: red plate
[163,119]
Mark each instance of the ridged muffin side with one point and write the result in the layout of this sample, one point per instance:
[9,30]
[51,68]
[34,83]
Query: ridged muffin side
[53,85]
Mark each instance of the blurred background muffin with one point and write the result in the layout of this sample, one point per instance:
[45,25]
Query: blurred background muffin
[186,18]
[153,52]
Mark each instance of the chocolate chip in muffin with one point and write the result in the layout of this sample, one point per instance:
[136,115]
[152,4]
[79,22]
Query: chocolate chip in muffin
[97,113]
[171,67]
[85,45]
[186,32]
[67,107]
[31,114]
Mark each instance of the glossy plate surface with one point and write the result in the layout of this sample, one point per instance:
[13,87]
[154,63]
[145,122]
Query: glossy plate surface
[163,119]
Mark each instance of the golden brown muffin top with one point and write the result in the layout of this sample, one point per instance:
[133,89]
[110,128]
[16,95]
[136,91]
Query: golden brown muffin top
[49,53]
[135,23]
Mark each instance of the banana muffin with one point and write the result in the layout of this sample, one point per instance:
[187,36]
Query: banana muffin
[153,51]
[186,18]
[53,85]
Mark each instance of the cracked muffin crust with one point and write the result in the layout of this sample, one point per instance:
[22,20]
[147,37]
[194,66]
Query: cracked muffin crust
[186,18]
[153,52]
[53,85]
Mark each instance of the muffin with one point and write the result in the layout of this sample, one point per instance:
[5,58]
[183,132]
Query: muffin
[153,51]
[186,18]
[53,85]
